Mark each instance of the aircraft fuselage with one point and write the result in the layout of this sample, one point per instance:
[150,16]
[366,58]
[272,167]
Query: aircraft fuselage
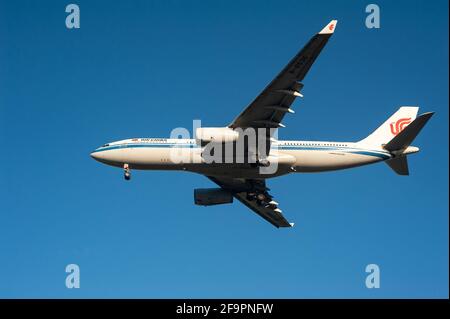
[186,155]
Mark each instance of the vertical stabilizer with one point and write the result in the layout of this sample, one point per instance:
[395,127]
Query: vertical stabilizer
[393,126]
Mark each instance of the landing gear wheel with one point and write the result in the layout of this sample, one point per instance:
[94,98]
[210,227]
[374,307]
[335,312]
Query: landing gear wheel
[261,197]
[251,196]
[127,172]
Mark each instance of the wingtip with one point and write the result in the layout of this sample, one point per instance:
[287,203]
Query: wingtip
[428,114]
[329,28]
[292,224]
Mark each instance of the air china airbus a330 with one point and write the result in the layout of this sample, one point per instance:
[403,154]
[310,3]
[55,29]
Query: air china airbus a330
[242,175]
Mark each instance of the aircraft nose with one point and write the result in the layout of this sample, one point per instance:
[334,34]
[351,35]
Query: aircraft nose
[95,155]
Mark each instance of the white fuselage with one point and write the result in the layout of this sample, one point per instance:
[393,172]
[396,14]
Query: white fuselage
[186,154]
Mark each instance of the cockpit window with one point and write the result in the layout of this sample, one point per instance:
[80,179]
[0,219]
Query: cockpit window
[106,145]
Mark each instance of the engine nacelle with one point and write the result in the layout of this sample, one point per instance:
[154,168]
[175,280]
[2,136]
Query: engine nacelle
[212,196]
[205,135]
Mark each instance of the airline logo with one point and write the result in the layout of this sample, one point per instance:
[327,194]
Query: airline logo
[397,127]
[331,27]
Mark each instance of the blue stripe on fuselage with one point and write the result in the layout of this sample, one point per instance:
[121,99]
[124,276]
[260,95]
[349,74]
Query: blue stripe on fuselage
[381,154]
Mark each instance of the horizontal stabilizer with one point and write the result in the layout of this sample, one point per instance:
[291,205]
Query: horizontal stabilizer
[403,139]
[399,165]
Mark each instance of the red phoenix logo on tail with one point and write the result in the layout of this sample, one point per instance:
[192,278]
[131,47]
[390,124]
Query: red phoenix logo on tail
[397,127]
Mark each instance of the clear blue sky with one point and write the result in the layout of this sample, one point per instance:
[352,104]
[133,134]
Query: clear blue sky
[141,68]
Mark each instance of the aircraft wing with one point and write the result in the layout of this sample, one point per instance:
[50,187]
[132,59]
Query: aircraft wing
[254,194]
[269,108]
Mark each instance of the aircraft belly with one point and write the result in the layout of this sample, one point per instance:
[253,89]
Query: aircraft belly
[326,160]
[235,170]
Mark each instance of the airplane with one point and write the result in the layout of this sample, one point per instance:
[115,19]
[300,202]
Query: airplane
[244,178]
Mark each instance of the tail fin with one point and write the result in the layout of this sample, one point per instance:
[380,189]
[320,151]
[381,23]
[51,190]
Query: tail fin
[393,126]
[400,144]
[403,139]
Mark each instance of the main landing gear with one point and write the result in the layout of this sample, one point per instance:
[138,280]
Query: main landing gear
[127,172]
[262,199]
[262,162]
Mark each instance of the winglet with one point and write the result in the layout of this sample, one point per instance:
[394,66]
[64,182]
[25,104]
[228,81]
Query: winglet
[330,27]
[292,224]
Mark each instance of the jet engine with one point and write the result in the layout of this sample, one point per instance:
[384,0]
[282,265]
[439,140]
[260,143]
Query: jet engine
[212,196]
[206,135]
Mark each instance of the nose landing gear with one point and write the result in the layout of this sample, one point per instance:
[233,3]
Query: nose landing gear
[127,172]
